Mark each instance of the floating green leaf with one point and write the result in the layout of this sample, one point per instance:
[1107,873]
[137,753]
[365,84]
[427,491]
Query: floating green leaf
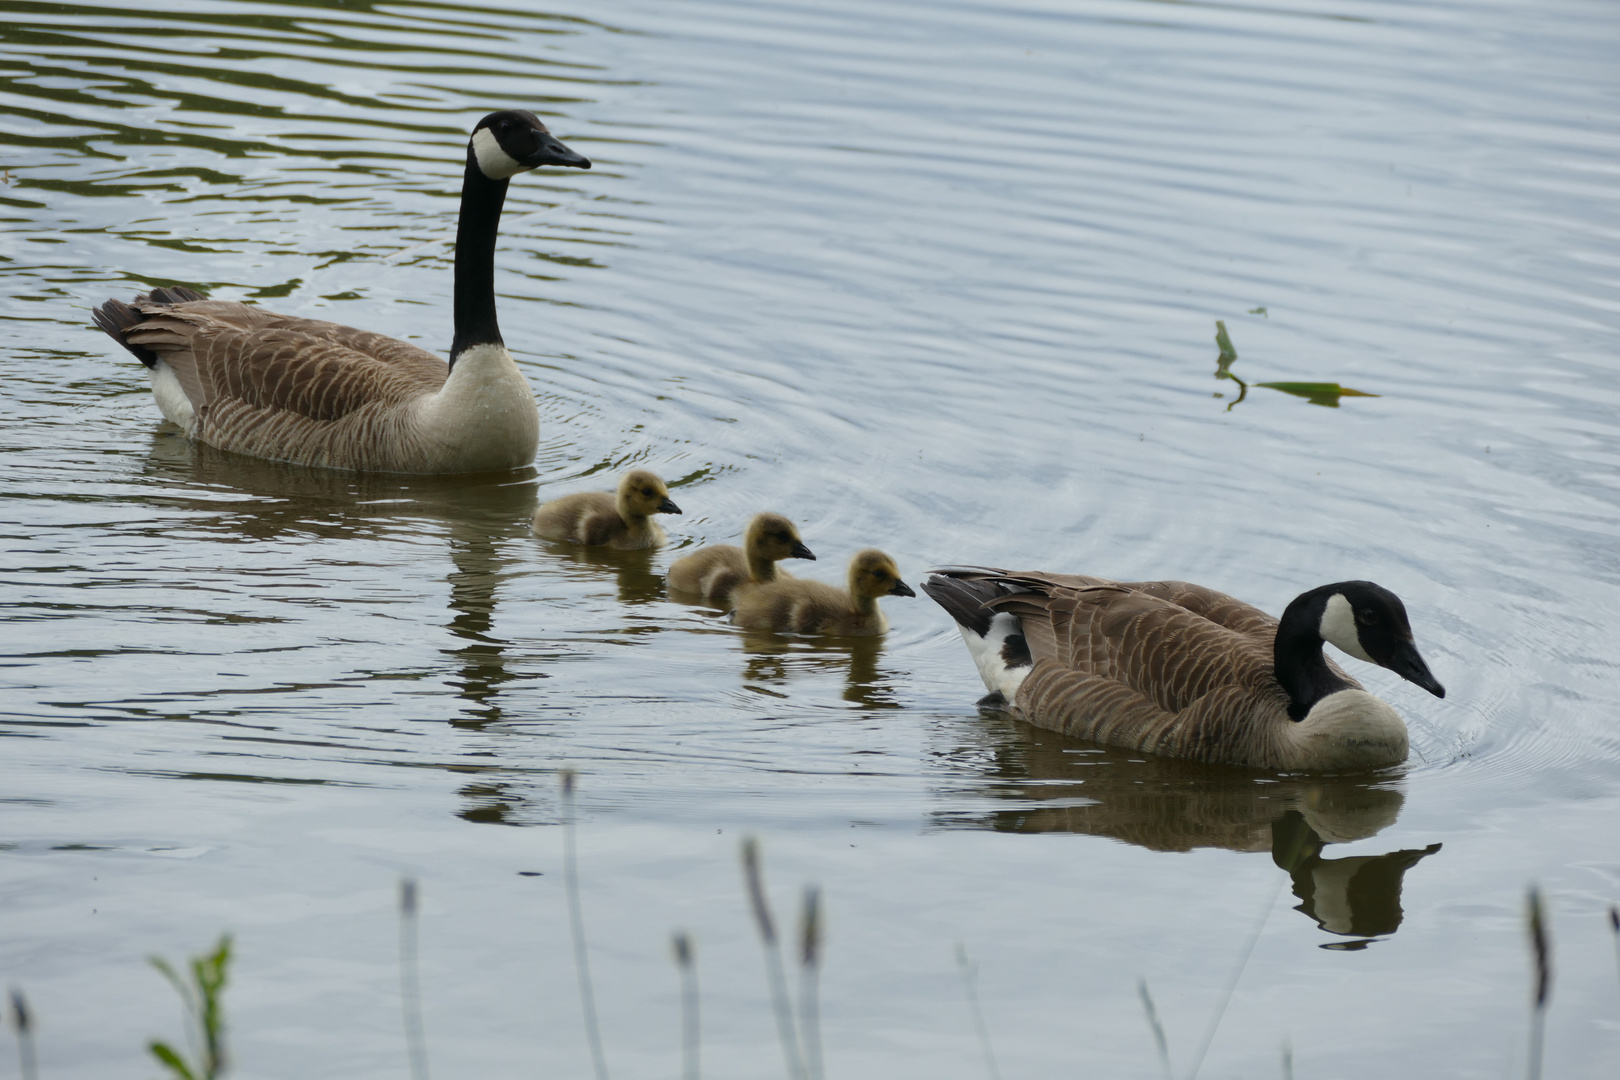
[1224,340]
[1259,311]
[1317,393]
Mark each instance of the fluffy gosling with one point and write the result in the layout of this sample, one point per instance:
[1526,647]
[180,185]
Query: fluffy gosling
[810,607]
[621,520]
[716,571]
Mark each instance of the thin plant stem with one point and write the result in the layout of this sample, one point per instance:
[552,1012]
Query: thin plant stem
[809,976]
[410,984]
[1159,1041]
[1288,1060]
[691,1032]
[773,959]
[970,975]
[1231,988]
[22,1021]
[1541,955]
[1614,925]
[204,1001]
[576,921]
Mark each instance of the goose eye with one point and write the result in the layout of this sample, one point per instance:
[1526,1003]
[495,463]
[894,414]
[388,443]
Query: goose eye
[1366,616]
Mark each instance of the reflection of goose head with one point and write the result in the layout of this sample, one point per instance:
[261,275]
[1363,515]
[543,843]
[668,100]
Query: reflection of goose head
[1358,896]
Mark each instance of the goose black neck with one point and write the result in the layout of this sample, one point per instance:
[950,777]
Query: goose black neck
[481,202]
[1297,660]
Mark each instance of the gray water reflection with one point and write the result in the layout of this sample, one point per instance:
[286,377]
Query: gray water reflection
[1165,804]
[938,277]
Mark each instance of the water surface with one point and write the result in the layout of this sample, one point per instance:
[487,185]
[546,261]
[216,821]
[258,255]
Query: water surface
[941,278]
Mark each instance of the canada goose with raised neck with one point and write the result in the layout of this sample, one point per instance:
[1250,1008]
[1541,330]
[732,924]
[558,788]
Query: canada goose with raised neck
[1170,668]
[811,607]
[618,519]
[716,571]
[317,393]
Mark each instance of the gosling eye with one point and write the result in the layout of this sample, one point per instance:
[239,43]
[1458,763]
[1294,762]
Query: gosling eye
[647,492]
[880,574]
[783,536]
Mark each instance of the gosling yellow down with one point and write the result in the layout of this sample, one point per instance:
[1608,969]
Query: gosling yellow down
[811,607]
[621,519]
[716,571]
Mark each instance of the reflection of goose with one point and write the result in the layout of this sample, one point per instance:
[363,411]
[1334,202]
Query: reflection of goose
[619,519]
[714,572]
[773,658]
[1171,668]
[811,607]
[1049,784]
[1358,896]
[316,393]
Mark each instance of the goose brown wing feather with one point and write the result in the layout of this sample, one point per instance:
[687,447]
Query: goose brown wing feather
[223,351]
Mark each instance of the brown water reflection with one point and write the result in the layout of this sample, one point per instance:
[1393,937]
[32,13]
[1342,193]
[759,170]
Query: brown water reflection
[1166,804]
[774,658]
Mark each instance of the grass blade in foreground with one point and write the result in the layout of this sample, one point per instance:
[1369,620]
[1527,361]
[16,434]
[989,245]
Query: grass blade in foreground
[809,975]
[773,959]
[690,1029]
[970,973]
[410,985]
[1541,954]
[22,1021]
[576,922]
[1159,1041]
[204,1001]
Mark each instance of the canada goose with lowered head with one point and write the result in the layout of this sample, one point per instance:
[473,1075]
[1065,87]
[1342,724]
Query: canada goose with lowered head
[621,519]
[317,393]
[1170,668]
[716,571]
[810,607]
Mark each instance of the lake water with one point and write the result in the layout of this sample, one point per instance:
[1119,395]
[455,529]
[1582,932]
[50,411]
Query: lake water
[937,277]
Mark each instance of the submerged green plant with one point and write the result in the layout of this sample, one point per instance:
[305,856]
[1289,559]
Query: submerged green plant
[203,997]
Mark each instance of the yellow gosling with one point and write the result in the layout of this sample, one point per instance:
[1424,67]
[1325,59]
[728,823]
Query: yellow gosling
[716,571]
[811,607]
[621,519]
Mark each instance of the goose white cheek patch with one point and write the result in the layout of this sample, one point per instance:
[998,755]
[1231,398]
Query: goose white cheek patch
[1338,626]
[494,162]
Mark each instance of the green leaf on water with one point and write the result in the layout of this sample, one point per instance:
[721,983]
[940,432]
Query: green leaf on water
[1259,311]
[1224,340]
[1317,393]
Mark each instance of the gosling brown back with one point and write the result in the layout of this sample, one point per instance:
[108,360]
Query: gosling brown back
[621,519]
